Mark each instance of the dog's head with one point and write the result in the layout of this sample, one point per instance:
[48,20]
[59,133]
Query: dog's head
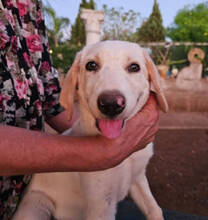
[112,80]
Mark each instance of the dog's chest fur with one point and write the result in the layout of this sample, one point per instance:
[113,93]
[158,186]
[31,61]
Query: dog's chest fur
[74,193]
[103,188]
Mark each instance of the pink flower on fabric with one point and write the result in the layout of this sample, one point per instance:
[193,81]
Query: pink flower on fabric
[3,40]
[50,88]
[14,43]
[18,187]
[10,18]
[39,17]
[1,101]
[10,63]
[22,8]
[39,106]
[34,43]
[40,86]
[2,26]
[28,59]
[9,3]
[49,105]
[45,66]
[21,88]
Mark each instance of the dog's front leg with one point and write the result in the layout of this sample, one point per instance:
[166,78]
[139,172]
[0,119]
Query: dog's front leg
[99,196]
[34,206]
[143,197]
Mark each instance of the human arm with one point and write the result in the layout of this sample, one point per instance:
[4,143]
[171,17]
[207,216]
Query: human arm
[60,122]
[23,151]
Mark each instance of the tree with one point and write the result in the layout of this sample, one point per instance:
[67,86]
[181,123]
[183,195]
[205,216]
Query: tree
[152,29]
[56,24]
[190,24]
[119,25]
[78,30]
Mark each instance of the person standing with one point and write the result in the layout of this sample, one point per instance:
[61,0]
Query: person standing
[29,95]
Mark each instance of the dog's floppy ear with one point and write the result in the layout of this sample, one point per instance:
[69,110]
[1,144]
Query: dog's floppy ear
[155,82]
[68,91]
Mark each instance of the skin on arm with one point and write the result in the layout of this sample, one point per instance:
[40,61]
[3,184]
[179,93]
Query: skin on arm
[60,122]
[23,151]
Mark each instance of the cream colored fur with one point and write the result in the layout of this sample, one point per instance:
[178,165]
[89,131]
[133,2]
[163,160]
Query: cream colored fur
[94,195]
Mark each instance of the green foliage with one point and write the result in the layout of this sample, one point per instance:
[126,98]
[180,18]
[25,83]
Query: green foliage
[179,53]
[63,56]
[152,29]
[78,30]
[55,25]
[119,25]
[191,24]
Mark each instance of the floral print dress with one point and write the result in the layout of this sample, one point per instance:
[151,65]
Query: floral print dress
[29,88]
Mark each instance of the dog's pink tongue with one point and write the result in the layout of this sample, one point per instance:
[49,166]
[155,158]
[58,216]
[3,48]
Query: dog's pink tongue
[110,128]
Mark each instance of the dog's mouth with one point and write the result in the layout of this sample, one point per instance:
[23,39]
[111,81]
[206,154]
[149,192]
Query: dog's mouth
[110,128]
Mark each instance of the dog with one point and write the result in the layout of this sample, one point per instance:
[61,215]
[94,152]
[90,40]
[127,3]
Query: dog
[111,80]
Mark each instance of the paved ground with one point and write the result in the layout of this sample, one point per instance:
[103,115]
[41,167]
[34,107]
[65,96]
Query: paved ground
[178,172]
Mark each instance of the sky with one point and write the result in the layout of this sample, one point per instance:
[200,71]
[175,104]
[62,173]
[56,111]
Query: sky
[168,8]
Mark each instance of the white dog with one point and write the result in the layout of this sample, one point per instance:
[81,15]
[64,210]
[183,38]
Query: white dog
[112,81]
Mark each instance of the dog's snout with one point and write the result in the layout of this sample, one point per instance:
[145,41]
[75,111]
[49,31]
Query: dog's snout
[111,103]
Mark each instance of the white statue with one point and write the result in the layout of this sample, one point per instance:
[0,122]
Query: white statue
[188,77]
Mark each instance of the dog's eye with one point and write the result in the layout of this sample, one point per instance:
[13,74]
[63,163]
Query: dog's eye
[133,68]
[91,66]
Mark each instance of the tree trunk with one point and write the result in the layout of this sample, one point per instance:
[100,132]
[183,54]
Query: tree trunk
[56,41]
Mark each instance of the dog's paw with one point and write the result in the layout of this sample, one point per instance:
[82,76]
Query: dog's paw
[155,215]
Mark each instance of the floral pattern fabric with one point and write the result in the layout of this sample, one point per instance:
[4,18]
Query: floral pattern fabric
[29,88]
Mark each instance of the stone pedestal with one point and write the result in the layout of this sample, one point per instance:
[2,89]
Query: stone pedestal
[93,21]
[189,77]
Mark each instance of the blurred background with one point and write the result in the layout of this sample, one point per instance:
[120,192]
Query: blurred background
[175,33]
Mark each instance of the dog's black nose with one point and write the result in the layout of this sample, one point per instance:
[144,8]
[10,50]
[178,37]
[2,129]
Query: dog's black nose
[111,103]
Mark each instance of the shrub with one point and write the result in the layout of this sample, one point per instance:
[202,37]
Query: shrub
[63,56]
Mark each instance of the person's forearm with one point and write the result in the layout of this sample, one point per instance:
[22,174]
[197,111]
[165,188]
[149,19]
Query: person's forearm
[23,151]
[61,122]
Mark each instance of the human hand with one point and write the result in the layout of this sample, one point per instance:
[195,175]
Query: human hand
[139,131]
